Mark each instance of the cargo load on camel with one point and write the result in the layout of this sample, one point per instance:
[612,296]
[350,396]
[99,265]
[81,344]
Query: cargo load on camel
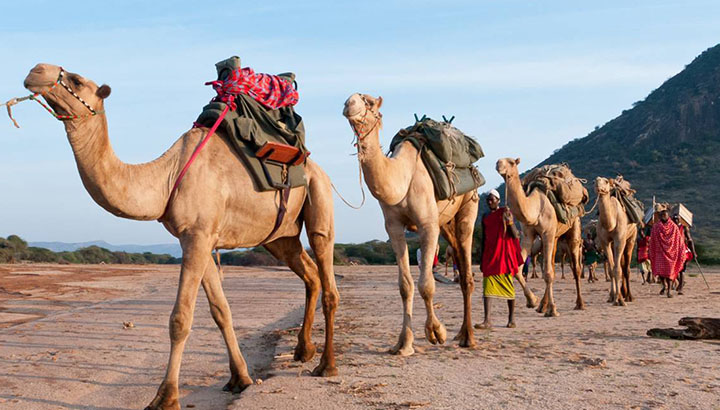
[448,155]
[261,125]
[634,208]
[564,190]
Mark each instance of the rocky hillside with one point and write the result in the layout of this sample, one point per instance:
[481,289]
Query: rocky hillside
[667,145]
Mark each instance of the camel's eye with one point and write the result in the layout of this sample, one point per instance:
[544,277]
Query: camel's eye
[77,82]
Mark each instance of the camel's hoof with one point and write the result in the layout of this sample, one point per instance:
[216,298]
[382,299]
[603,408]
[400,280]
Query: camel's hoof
[402,350]
[619,303]
[436,333]
[325,371]
[168,405]
[532,302]
[552,313]
[511,325]
[580,306]
[304,352]
[237,384]
[629,298]
[464,339]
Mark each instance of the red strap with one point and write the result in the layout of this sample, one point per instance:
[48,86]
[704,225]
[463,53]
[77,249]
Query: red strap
[193,156]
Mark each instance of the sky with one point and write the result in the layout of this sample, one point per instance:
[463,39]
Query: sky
[522,77]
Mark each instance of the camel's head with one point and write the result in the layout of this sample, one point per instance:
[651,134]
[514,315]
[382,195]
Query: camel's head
[57,87]
[507,167]
[363,112]
[603,185]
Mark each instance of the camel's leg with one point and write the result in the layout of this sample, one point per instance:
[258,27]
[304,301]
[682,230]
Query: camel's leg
[290,251]
[197,250]
[396,232]
[576,266]
[534,260]
[220,310]
[464,223]
[434,330]
[548,303]
[609,268]
[562,266]
[319,224]
[526,249]
[618,249]
[629,248]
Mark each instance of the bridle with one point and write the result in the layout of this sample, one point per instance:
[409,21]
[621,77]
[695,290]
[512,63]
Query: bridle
[74,94]
[34,97]
[362,130]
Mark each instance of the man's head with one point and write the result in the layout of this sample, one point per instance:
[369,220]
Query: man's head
[493,199]
[676,218]
[664,215]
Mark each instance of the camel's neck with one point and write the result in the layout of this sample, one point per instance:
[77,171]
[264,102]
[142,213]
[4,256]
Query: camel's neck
[130,191]
[387,178]
[606,212]
[518,202]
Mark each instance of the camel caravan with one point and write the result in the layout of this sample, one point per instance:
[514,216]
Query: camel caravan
[241,177]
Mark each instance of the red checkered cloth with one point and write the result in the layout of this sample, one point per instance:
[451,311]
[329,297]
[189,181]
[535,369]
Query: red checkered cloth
[667,249]
[269,90]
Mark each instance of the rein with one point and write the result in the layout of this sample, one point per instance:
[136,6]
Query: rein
[360,134]
[52,112]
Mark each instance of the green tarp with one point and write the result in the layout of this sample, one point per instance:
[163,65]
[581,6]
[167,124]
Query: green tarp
[448,155]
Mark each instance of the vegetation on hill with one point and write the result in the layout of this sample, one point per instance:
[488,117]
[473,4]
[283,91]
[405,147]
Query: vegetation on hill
[14,249]
[667,146]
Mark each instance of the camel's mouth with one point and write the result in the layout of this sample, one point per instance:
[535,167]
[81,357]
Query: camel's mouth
[41,78]
[354,108]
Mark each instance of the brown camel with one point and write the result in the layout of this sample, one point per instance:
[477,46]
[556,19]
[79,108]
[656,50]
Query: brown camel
[403,187]
[215,207]
[537,217]
[617,236]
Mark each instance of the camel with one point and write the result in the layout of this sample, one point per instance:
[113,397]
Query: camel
[215,207]
[617,236]
[537,217]
[403,187]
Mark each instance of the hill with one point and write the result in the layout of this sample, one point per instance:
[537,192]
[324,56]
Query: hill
[667,146]
[169,248]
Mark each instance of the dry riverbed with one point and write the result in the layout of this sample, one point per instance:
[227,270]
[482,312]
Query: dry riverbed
[95,337]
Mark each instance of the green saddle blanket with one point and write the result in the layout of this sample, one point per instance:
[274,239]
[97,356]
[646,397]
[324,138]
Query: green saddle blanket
[250,126]
[448,155]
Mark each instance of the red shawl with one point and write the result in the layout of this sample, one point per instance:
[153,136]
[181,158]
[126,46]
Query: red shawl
[501,252]
[667,249]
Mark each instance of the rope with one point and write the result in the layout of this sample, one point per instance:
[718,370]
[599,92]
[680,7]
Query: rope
[361,189]
[12,102]
[597,198]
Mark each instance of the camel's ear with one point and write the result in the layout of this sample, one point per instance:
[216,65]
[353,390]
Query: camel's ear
[379,103]
[104,91]
[517,161]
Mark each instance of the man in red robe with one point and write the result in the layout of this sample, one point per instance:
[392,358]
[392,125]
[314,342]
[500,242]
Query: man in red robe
[667,249]
[501,257]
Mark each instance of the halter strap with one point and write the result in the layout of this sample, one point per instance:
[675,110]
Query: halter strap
[52,112]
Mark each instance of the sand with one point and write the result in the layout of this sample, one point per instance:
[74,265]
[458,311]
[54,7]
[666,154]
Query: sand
[63,345]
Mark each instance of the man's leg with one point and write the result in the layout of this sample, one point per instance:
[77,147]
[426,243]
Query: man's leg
[511,313]
[487,306]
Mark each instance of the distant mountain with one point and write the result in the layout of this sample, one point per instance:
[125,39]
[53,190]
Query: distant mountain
[170,248]
[667,146]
